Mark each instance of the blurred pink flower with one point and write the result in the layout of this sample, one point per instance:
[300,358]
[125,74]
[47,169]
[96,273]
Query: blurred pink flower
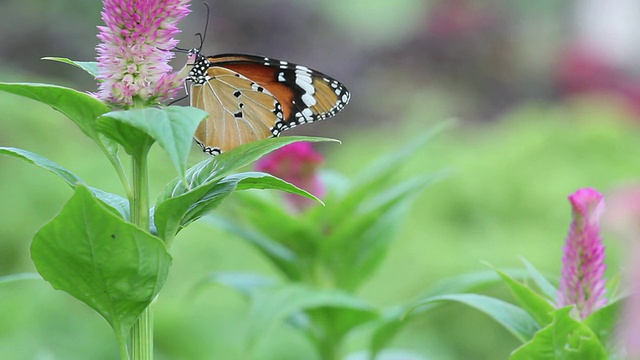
[135,50]
[623,218]
[296,163]
[581,70]
[623,212]
[582,282]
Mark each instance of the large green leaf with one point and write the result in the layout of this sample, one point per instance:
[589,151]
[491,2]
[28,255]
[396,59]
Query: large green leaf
[246,154]
[102,260]
[90,67]
[117,202]
[513,318]
[174,213]
[172,127]
[224,164]
[565,338]
[603,321]
[81,108]
[170,215]
[38,160]
[533,303]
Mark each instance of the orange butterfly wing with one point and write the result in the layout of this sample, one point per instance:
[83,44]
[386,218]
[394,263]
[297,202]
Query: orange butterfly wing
[250,98]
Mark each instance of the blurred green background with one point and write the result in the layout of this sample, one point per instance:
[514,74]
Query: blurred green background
[547,97]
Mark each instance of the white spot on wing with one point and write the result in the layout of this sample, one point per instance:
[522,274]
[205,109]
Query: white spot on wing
[307,113]
[305,83]
[308,99]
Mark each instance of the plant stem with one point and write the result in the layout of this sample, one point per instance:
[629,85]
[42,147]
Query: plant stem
[329,350]
[140,204]
[122,345]
[142,336]
[142,330]
[327,340]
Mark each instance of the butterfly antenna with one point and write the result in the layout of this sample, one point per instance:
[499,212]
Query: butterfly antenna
[201,40]
[179,50]
[206,25]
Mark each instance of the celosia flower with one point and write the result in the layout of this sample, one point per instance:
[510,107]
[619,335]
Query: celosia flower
[135,50]
[582,282]
[296,163]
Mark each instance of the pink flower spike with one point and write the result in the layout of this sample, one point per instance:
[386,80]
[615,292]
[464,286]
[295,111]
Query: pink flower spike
[582,283]
[296,163]
[133,58]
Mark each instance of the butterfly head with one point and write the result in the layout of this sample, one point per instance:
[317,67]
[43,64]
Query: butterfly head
[197,65]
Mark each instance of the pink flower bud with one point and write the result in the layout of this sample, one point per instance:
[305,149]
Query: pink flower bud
[582,283]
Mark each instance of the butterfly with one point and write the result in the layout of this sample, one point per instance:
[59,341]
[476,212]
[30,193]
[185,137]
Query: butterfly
[251,97]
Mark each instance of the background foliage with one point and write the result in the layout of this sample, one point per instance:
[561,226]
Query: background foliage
[523,143]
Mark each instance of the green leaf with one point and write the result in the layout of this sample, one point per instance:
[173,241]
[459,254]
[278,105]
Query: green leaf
[115,201]
[35,159]
[101,260]
[174,213]
[282,257]
[170,215]
[81,108]
[465,282]
[381,173]
[299,233]
[537,306]
[603,321]
[357,243]
[386,328]
[273,305]
[259,180]
[394,318]
[9,279]
[513,318]
[244,283]
[201,177]
[564,338]
[172,127]
[389,354]
[224,164]
[89,66]
[548,290]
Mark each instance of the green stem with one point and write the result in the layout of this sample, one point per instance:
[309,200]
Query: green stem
[142,337]
[142,330]
[329,345]
[140,204]
[122,345]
